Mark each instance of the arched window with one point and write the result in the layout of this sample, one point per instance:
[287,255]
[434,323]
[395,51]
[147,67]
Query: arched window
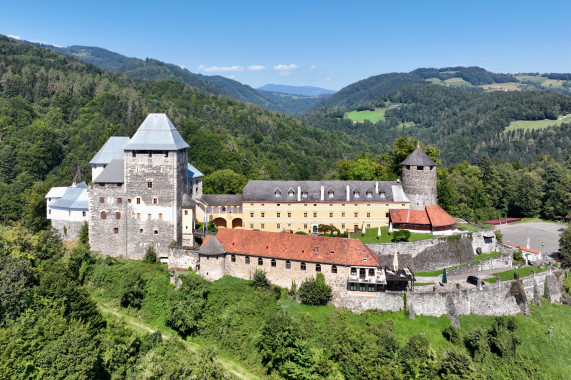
[119,200]
[101,200]
[233,258]
[288,265]
[334,269]
[302,266]
[149,184]
[247,260]
[260,261]
[273,263]
[103,215]
[318,267]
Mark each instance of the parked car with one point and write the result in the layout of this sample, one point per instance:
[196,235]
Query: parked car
[473,280]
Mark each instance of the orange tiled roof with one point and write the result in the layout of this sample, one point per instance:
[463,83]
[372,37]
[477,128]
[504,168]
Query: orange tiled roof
[409,216]
[439,217]
[329,250]
[523,248]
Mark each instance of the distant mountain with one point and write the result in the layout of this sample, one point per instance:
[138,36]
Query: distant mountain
[152,69]
[296,90]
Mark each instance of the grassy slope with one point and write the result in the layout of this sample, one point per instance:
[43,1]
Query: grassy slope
[457,82]
[509,274]
[537,124]
[361,116]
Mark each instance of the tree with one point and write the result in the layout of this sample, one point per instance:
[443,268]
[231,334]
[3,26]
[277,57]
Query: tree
[224,181]
[150,255]
[315,291]
[565,246]
[84,233]
[16,287]
[259,280]
[188,304]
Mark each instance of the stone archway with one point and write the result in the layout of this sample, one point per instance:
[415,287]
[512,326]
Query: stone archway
[220,222]
[237,223]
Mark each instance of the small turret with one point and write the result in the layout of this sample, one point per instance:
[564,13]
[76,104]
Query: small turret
[419,179]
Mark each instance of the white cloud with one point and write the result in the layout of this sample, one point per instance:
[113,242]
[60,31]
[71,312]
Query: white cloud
[213,69]
[312,67]
[14,37]
[256,67]
[286,67]
[231,76]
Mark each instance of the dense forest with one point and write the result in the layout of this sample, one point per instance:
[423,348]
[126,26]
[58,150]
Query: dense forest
[56,112]
[69,313]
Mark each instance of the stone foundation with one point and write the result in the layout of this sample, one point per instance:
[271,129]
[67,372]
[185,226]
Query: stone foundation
[67,230]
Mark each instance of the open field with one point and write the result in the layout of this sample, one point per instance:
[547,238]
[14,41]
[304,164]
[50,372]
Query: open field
[457,82]
[361,116]
[530,78]
[434,80]
[537,124]
[370,236]
[510,86]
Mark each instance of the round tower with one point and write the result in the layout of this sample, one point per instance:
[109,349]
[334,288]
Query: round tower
[418,177]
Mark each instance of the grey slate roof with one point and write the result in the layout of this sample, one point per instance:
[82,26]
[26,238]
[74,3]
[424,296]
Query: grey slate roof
[73,198]
[157,132]
[194,172]
[418,157]
[222,199]
[212,247]
[334,191]
[111,150]
[187,202]
[113,173]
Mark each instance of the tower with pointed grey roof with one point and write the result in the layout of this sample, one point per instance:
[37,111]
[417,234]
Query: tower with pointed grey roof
[419,179]
[137,199]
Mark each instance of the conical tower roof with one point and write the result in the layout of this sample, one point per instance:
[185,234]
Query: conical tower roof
[418,158]
[157,132]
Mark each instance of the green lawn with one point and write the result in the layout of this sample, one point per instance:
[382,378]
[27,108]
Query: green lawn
[434,80]
[537,124]
[468,227]
[433,273]
[509,274]
[530,78]
[361,116]
[457,82]
[370,236]
[484,256]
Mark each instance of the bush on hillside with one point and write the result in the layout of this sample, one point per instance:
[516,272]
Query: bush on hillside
[401,235]
[150,255]
[259,280]
[315,291]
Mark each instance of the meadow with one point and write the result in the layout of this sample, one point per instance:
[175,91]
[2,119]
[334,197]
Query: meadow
[360,116]
[537,124]
[457,82]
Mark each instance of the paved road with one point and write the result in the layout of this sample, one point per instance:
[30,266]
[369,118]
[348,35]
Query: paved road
[538,232]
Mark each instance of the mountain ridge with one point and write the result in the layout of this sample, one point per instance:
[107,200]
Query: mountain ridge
[296,90]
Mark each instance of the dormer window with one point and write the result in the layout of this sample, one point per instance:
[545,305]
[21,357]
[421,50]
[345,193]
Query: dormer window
[356,194]
[304,194]
[382,194]
[290,192]
[330,193]
[277,193]
[369,194]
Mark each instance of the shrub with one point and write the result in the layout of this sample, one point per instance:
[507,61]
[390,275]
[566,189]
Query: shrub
[133,292]
[518,258]
[84,233]
[401,235]
[315,291]
[150,255]
[259,280]
[499,235]
[452,334]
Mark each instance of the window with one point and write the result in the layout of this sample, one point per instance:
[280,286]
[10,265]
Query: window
[362,287]
[101,200]
[260,261]
[83,213]
[140,230]
[102,185]
[315,215]
[262,214]
[371,287]
[368,215]
[382,194]
[117,215]
[288,265]
[343,226]
[119,200]
[262,226]
[247,260]
[149,184]
[331,215]
[369,194]
[302,266]
[342,214]
[134,154]
[304,194]
[318,267]
[278,215]
[368,225]
[155,201]
[278,193]
[356,215]
[138,216]
[156,232]
[334,269]
[290,193]
[387,215]
[273,263]
[185,212]
[160,216]
[103,215]
[352,286]
[148,216]
[353,271]
[233,258]
[116,231]
[371,272]
[251,215]
[251,225]
[138,201]
[356,194]
[330,193]
[278,205]
[420,168]
[289,214]
[407,167]
[129,201]
[305,214]
[278,226]
[305,226]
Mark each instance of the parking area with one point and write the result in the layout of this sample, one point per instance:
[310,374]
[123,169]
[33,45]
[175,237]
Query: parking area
[543,236]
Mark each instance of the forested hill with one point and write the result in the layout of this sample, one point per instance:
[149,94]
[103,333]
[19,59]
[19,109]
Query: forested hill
[464,125]
[56,112]
[372,88]
[152,69]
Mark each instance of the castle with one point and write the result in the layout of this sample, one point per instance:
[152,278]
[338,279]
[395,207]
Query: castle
[145,193]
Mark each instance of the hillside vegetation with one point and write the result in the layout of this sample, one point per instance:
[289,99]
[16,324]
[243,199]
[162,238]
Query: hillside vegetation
[56,112]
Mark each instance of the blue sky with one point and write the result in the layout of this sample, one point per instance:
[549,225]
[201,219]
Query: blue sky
[327,44]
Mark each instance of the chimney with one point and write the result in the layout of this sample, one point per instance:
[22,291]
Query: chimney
[322,193]
[299,193]
[377,187]
[73,184]
[348,194]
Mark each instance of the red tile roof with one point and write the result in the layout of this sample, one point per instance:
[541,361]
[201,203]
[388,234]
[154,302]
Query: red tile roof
[409,216]
[329,250]
[438,217]
[504,220]
[523,248]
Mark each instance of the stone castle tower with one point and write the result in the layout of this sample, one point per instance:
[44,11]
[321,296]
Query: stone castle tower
[137,199]
[419,179]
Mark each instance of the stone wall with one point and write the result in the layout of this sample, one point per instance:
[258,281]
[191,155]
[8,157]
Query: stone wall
[103,238]
[67,229]
[491,299]
[182,259]
[440,252]
[419,186]
[503,262]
